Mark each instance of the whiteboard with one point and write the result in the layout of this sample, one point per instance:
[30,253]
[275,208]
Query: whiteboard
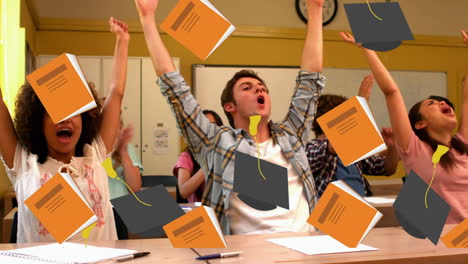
[209,81]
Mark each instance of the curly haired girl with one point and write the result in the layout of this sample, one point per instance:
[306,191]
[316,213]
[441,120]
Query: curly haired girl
[34,149]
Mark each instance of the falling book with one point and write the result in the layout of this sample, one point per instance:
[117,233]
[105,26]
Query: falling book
[197,25]
[62,88]
[352,131]
[458,236]
[61,207]
[198,228]
[344,215]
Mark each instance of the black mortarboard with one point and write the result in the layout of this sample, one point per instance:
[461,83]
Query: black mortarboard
[147,221]
[411,212]
[255,191]
[375,34]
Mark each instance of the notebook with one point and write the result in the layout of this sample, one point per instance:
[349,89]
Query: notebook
[69,253]
[458,236]
[62,88]
[344,215]
[197,25]
[352,130]
[199,228]
[61,207]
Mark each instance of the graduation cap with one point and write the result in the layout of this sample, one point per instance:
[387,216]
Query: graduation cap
[378,26]
[254,190]
[411,212]
[147,221]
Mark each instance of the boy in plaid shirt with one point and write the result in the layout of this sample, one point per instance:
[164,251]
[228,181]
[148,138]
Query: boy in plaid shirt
[246,95]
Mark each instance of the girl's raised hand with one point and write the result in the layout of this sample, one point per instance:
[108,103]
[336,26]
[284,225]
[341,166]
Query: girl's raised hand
[118,27]
[465,36]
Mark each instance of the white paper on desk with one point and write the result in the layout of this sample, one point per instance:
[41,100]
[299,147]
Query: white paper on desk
[316,245]
[379,200]
[65,253]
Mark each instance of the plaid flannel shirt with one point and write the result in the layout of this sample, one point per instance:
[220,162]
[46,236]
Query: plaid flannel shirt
[214,147]
[323,165]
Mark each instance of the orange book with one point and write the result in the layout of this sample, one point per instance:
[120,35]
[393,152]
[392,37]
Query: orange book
[458,236]
[62,88]
[198,228]
[343,214]
[352,131]
[197,25]
[61,207]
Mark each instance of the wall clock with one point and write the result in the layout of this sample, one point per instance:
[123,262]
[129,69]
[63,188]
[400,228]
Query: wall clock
[329,10]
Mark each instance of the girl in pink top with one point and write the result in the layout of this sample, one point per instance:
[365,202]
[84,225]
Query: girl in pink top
[430,123]
[190,178]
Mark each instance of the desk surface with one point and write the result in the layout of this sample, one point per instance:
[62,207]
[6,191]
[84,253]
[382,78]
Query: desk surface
[395,246]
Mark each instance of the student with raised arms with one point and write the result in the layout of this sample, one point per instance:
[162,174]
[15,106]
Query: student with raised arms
[34,149]
[246,95]
[430,122]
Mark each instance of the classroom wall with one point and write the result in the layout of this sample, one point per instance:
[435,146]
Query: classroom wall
[426,17]
[27,22]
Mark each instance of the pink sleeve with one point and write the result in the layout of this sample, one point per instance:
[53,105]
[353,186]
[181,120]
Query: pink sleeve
[414,146]
[184,161]
[418,155]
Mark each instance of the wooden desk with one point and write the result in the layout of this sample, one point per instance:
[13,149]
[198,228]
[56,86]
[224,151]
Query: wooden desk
[8,198]
[7,221]
[172,191]
[388,219]
[386,187]
[395,246]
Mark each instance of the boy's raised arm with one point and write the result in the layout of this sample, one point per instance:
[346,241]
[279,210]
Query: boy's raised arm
[310,82]
[160,57]
[312,55]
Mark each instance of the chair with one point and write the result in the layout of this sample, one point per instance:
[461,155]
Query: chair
[14,228]
[9,226]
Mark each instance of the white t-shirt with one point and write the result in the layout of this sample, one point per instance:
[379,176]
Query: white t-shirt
[247,220]
[27,176]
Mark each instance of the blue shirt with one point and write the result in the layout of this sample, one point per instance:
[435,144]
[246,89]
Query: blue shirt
[116,187]
[351,176]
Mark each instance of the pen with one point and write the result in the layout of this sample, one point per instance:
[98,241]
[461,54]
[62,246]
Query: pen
[219,255]
[132,256]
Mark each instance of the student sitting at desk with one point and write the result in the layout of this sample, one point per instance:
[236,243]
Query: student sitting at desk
[325,164]
[190,177]
[246,95]
[429,123]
